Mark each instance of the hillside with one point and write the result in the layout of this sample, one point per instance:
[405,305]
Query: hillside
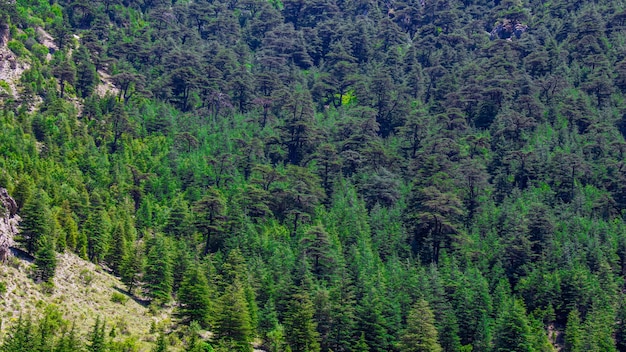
[316,175]
[81,293]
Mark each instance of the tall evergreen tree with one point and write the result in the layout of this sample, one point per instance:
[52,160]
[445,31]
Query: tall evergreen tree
[45,259]
[210,212]
[117,248]
[21,337]
[132,266]
[69,341]
[194,297]
[573,333]
[36,221]
[158,276]
[97,228]
[513,332]
[300,328]
[420,334]
[233,326]
[97,338]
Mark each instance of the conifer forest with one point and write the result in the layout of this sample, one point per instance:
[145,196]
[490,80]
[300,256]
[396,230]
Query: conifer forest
[317,175]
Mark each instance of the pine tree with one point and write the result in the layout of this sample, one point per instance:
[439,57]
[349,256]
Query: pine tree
[45,259]
[210,212]
[97,228]
[69,226]
[21,337]
[179,224]
[620,329]
[372,322]
[300,328]
[69,342]
[97,341]
[361,345]
[420,334]
[233,326]
[161,345]
[117,248]
[513,333]
[47,327]
[158,276]
[81,245]
[182,262]
[194,297]
[132,266]
[36,221]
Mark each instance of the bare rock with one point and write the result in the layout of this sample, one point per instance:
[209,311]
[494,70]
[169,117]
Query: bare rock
[9,221]
[506,29]
[4,34]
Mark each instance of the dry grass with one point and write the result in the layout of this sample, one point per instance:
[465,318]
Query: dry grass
[82,291]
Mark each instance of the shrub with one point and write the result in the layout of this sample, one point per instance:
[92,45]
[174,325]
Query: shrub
[85,277]
[3,288]
[40,51]
[119,298]
[17,47]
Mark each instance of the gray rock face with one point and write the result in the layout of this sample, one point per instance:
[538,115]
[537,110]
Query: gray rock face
[507,29]
[8,223]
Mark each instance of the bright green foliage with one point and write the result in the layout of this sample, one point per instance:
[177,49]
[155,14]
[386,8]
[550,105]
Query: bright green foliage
[513,331]
[69,341]
[372,322]
[420,334]
[69,227]
[300,329]
[233,327]
[573,333]
[161,344]
[361,345]
[21,338]
[194,297]
[97,337]
[179,222]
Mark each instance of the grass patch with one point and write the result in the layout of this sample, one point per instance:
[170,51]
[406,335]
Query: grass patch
[119,298]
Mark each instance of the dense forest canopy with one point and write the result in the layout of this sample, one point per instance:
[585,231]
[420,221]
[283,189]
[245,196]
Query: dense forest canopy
[326,175]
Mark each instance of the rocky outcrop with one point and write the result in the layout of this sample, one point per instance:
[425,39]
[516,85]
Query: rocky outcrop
[4,34]
[8,223]
[507,29]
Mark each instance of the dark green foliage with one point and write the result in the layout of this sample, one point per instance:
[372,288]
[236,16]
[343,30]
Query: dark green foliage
[97,228]
[36,221]
[366,155]
[300,329]
[210,217]
[65,71]
[132,266]
[45,259]
[194,297]
[158,277]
